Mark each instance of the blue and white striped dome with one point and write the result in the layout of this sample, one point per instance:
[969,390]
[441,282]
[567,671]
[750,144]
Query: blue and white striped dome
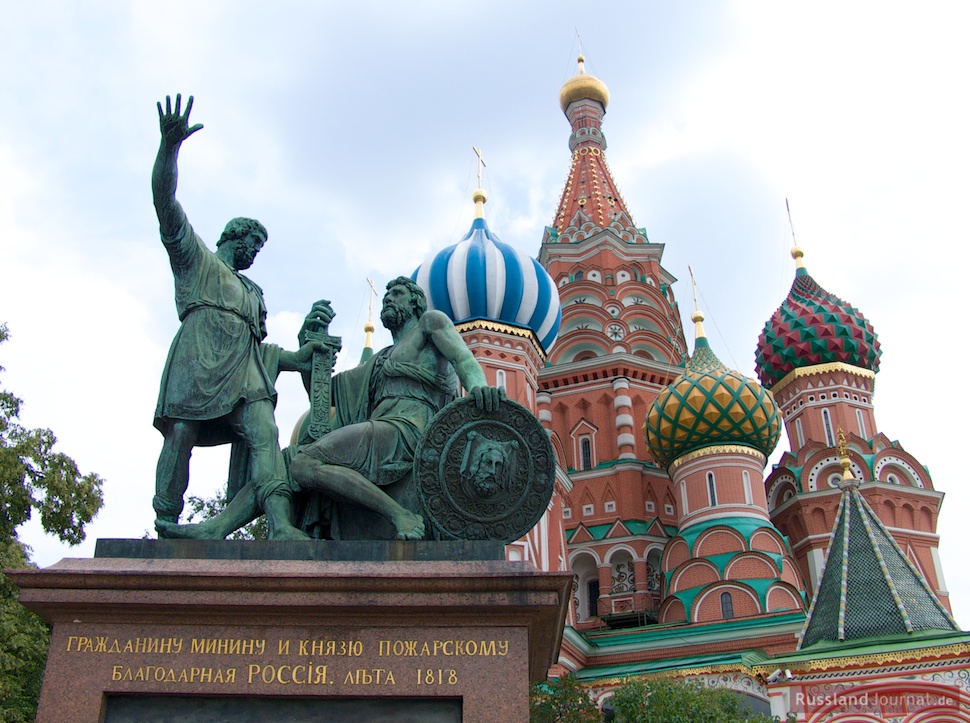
[481,277]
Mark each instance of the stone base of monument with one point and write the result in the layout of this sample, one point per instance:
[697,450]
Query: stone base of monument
[170,635]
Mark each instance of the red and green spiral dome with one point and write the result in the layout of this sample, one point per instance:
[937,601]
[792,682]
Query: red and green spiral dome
[813,327]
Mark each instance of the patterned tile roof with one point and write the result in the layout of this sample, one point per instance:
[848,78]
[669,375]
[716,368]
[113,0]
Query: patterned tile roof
[709,405]
[869,588]
[813,327]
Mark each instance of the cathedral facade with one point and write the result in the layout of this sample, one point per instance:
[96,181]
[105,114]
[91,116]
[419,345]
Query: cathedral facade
[813,587]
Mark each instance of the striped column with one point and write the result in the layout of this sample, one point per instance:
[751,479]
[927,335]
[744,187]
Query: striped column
[623,406]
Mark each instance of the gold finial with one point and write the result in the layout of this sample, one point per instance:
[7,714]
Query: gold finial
[581,62]
[698,316]
[479,196]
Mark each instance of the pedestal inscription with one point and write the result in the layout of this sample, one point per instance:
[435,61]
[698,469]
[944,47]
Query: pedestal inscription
[311,637]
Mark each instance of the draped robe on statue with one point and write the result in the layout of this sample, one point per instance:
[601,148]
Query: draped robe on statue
[382,408]
[216,359]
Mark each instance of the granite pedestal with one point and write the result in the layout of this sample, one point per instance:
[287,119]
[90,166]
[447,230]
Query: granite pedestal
[192,631]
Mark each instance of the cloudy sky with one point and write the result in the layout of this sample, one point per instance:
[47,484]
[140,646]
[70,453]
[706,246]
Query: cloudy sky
[347,128]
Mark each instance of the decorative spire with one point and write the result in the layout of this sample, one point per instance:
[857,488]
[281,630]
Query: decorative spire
[869,587]
[591,193]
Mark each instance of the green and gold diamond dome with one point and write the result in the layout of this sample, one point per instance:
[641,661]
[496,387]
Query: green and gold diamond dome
[708,405]
[813,327]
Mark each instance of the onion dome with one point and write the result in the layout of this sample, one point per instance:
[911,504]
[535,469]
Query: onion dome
[813,327]
[481,277]
[583,87]
[709,405]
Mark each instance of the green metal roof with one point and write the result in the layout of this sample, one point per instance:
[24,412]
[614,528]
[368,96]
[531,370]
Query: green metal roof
[869,588]
[636,527]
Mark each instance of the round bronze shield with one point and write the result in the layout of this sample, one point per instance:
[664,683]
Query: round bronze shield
[484,475]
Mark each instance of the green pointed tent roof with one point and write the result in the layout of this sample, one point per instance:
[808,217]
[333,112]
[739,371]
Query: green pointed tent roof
[869,588]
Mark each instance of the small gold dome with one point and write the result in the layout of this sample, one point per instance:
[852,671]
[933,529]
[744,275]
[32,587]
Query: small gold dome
[582,86]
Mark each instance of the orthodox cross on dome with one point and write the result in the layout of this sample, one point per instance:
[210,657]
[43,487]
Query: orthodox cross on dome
[370,300]
[698,316]
[479,196]
[481,165]
[796,252]
[369,325]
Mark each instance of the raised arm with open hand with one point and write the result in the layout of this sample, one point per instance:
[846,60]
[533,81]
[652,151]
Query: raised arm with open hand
[175,129]
[175,126]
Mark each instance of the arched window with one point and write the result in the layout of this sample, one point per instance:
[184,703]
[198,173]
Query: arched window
[500,378]
[861,420]
[827,424]
[727,606]
[711,491]
[746,478]
[578,276]
[799,433]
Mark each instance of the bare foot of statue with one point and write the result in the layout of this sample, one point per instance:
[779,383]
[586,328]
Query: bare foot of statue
[288,532]
[409,525]
[200,531]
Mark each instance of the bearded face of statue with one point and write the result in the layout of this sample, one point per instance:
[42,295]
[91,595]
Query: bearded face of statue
[397,308]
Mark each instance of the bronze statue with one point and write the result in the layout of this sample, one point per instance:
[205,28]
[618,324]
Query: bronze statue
[363,467]
[218,382]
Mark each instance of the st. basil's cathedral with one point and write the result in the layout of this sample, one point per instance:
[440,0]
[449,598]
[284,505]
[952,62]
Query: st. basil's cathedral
[814,587]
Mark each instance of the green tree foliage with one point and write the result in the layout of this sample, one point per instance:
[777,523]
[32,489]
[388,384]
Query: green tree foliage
[24,639]
[562,700]
[34,476]
[674,701]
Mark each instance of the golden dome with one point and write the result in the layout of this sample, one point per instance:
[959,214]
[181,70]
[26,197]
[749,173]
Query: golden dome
[582,86]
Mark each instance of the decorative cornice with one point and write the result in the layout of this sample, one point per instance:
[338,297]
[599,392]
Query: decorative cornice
[488,325]
[817,369]
[718,449]
[894,656]
[685,672]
